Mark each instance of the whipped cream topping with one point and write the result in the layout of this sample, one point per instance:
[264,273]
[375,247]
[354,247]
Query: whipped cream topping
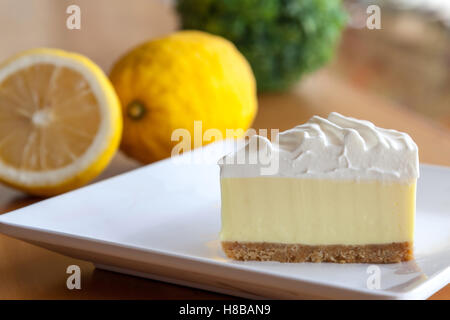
[337,148]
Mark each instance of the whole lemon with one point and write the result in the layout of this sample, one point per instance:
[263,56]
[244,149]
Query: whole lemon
[186,78]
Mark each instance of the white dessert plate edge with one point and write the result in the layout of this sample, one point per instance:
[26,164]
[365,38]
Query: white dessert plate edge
[200,262]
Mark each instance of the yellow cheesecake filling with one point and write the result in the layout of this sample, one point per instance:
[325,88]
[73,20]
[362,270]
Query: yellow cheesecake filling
[317,211]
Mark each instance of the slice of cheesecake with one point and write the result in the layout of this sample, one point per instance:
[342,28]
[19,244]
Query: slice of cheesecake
[331,190]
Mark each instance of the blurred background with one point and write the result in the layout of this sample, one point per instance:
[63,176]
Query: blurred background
[397,77]
[406,61]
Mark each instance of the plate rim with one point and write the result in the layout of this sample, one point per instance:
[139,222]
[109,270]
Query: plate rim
[421,291]
[22,232]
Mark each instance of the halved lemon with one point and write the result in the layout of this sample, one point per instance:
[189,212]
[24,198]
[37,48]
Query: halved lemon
[60,121]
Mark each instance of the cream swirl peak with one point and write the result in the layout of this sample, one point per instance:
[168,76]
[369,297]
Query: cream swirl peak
[338,148]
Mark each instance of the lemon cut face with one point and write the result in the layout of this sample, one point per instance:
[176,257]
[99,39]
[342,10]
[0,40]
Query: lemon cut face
[60,121]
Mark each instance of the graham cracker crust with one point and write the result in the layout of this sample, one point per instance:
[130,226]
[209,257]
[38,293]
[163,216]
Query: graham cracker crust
[371,253]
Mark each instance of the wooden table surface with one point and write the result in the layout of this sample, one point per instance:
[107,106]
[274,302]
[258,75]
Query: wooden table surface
[30,272]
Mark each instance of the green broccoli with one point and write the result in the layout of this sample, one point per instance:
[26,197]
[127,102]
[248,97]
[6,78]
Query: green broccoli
[282,39]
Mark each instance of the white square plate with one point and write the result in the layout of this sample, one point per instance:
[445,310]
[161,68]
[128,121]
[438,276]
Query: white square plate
[162,222]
